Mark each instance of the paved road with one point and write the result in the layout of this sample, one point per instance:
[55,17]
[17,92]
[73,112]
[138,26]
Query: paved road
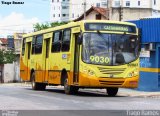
[23,98]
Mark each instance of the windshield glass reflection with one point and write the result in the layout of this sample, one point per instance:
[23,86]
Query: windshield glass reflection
[109,49]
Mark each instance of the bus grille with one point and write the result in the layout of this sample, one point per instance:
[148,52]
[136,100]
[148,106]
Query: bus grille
[114,71]
[111,82]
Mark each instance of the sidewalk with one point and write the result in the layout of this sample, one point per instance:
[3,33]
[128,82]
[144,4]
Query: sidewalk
[136,93]
[121,92]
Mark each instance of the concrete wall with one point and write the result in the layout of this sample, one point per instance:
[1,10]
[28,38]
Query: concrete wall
[130,13]
[8,73]
[156,6]
[133,3]
[11,72]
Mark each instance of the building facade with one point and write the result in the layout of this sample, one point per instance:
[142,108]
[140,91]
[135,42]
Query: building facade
[118,9]
[59,11]
[78,7]
[155,7]
[95,13]
[17,42]
[150,54]
[3,44]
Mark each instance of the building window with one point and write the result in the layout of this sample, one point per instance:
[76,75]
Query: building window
[104,4]
[64,7]
[63,15]
[98,16]
[63,0]
[154,2]
[57,0]
[52,0]
[59,15]
[127,3]
[72,15]
[117,3]
[53,15]
[139,3]
[97,4]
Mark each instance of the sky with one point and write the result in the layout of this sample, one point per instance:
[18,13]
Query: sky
[21,17]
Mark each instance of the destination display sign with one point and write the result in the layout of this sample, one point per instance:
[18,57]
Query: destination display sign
[110,27]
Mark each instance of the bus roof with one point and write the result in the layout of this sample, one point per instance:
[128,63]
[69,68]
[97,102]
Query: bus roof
[73,24]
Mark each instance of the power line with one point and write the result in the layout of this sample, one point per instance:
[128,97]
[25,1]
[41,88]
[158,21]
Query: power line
[17,25]
[15,30]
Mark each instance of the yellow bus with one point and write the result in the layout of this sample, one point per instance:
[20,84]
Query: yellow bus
[84,54]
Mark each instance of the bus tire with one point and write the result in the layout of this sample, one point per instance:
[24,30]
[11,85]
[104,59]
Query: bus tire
[112,91]
[35,85]
[68,89]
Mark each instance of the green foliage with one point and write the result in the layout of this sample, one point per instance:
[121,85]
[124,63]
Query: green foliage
[38,26]
[1,56]
[57,24]
[7,56]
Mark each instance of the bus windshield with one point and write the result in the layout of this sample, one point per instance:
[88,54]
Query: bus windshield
[109,49]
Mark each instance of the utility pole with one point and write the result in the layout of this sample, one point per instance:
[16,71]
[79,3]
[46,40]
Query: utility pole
[121,10]
[109,6]
[84,9]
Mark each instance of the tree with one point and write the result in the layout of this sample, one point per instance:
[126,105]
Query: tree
[7,56]
[1,56]
[38,26]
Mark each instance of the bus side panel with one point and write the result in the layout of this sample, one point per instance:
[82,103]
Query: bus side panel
[23,69]
[54,77]
[54,68]
[56,65]
[38,69]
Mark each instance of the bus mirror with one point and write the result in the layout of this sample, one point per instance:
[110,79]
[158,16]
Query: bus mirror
[79,41]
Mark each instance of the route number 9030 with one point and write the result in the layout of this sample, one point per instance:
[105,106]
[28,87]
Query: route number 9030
[99,59]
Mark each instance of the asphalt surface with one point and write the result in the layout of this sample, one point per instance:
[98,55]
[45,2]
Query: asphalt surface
[53,98]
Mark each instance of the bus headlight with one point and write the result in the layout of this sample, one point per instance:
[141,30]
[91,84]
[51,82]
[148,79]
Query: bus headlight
[133,73]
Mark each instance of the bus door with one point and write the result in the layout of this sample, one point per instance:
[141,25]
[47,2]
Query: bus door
[46,59]
[28,59]
[76,60]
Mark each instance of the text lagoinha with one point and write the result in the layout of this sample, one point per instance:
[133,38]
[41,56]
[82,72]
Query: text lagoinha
[119,28]
[13,2]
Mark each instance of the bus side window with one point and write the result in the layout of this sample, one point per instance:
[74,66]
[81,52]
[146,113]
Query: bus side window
[66,40]
[33,45]
[23,46]
[38,44]
[56,41]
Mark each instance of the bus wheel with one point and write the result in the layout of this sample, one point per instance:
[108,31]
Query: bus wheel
[69,89]
[112,91]
[35,85]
